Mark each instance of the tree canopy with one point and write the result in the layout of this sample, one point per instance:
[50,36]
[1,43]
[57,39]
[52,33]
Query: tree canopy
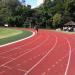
[13,12]
[51,12]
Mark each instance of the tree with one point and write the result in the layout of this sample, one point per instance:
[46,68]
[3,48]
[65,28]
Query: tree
[11,10]
[71,8]
[7,8]
[56,20]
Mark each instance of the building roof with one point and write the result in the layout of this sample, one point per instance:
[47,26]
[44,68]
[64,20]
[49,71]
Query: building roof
[71,23]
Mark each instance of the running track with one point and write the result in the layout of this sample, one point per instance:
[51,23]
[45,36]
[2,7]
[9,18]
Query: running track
[46,53]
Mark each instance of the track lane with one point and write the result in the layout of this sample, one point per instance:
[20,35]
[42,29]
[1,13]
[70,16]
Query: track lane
[33,53]
[71,68]
[55,57]
[23,48]
[21,52]
[18,44]
[55,63]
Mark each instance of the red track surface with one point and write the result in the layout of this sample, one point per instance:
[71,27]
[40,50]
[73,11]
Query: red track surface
[47,53]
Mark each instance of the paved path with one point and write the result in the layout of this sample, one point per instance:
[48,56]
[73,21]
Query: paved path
[46,53]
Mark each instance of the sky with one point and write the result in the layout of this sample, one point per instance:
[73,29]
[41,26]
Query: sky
[33,3]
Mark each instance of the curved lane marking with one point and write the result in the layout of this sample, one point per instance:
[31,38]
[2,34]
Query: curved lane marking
[42,58]
[30,50]
[33,33]
[16,47]
[66,71]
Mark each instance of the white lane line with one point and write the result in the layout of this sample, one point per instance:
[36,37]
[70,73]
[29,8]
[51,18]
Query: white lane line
[66,71]
[6,57]
[31,59]
[30,50]
[42,58]
[8,67]
[15,48]
[21,70]
[33,33]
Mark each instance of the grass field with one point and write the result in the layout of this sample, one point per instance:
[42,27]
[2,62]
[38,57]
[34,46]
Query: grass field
[8,35]
[6,32]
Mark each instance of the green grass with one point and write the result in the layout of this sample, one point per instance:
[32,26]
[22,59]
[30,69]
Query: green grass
[14,37]
[7,32]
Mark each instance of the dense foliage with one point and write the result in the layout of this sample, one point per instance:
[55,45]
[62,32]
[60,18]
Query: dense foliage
[61,10]
[13,12]
[52,13]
